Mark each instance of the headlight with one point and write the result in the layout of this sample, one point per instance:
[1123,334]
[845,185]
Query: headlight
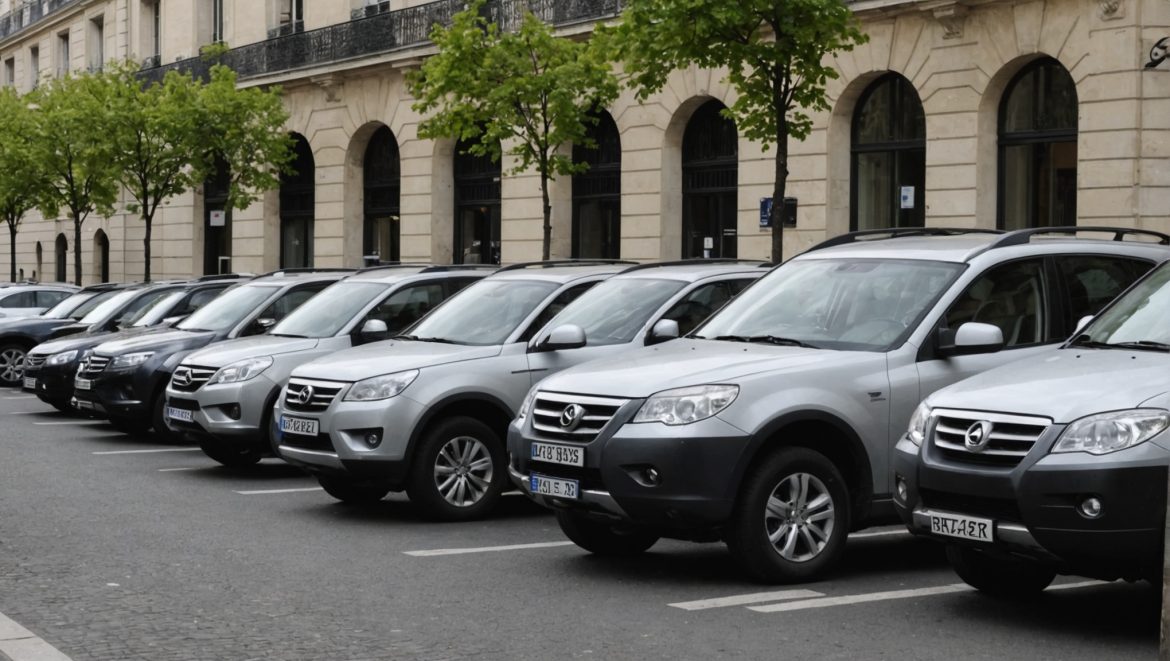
[243,370]
[528,399]
[130,360]
[1109,432]
[61,358]
[381,387]
[918,422]
[682,406]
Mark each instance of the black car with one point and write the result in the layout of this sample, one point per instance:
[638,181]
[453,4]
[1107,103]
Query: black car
[125,380]
[49,368]
[17,336]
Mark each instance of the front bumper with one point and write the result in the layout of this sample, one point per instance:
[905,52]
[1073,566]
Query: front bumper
[117,394]
[230,412]
[54,383]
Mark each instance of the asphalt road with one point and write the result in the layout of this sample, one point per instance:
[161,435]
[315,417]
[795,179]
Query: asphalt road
[114,547]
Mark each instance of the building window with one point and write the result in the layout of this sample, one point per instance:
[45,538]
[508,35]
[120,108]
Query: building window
[101,252]
[297,199]
[10,71]
[217,222]
[290,17]
[217,21]
[62,53]
[97,43]
[710,163]
[597,193]
[477,208]
[34,66]
[381,174]
[62,257]
[888,165]
[1038,148]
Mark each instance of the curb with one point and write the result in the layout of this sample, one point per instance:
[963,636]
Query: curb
[20,644]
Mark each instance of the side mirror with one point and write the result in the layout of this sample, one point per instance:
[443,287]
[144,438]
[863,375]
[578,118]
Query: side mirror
[569,336]
[973,338]
[265,324]
[663,331]
[1082,323]
[374,330]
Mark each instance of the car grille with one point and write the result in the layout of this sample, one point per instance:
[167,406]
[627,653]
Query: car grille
[93,366]
[310,396]
[318,443]
[995,508]
[1009,439]
[551,409]
[189,378]
[34,361]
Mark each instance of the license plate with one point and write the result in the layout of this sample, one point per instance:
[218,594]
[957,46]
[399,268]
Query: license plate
[84,405]
[30,383]
[551,486]
[82,384]
[963,527]
[182,415]
[298,426]
[558,454]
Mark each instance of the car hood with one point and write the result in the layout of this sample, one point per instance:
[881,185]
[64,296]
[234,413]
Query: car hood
[388,357]
[167,339]
[226,353]
[1063,384]
[645,371]
[87,341]
[31,325]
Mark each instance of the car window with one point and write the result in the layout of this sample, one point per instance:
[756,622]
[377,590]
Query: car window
[79,305]
[1094,280]
[485,313]
[149,315]
[1012,296]
[327,314]
[281,307]
[702,302]
[24,299]
[198,300]
[614,311]
[554,308]
[407,306]
[1141,315]
[108,306]
[229,309]
[456,284]
[137,305]
[47,299]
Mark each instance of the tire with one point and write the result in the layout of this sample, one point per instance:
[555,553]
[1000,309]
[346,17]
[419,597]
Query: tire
[12,364]
[351,492]
[999,577]
[604,539]
[232,456]
[458,471]
[791,518]
[129,426]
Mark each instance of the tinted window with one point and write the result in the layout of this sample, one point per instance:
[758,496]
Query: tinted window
[558,304]
[407,306]
[67,306]
[614,311]
[47,299]
[1142,315]
[229,309]
[1092,281]
[327,314]
[24,299]
[107,306]
[485,313]
[1011,296]
[141,303]
[153,313]
[702,302]
[291,300]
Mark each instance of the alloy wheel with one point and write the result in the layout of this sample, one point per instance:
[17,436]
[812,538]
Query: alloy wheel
[463,471]
[11,365]
[799,517]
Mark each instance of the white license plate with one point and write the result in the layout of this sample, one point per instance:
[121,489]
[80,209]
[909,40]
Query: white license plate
[558,454]
[298,426]
[82,384]
[963,527]
[551,486]
[84,405]
[182,415]
[30,383]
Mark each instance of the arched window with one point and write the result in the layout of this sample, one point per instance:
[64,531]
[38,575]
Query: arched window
[888,171]
[40,272]
[597,193]
[101,255]
[62,257]
[710,163]
[1038,148]
[477,208]
[297,198]
[381,228]
[217,221]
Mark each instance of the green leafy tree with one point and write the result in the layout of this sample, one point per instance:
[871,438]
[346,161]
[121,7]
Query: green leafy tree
[71,131]
[776,52]
[525,93]
[20,174]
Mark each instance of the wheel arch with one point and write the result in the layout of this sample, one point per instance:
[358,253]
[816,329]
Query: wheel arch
[486,408]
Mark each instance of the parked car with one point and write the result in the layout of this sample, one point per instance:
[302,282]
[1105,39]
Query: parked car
[50,367]
[125,380]
[222,396]
[17,336]
[428,413]
[21,301]
[771,426]
[1055,464]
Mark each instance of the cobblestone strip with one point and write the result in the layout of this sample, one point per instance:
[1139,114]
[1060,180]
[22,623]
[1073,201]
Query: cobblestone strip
[20,644]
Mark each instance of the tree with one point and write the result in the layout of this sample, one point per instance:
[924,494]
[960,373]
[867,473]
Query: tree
[71,142]
[777,54]
[20,174]
[525,93]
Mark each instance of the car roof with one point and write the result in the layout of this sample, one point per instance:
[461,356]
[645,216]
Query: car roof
[25,286]
[297,276]
[402,272]
[693,270]
[562,271]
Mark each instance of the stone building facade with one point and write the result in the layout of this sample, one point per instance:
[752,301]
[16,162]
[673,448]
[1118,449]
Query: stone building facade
[985,113]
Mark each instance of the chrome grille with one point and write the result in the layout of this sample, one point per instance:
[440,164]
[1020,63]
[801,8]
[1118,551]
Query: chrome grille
[189,378]
[1008,438]
[310,396]
[93,366]
[551,410]
[34,361]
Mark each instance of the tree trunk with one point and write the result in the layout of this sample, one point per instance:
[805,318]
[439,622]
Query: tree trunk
[77,220]
[12,249]
[146,247]
[778,190]
[547,215]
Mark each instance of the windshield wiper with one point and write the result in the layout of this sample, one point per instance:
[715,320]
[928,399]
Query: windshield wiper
[415,338]
[1084,340]
[299,337]
[769,339]
[1144,345]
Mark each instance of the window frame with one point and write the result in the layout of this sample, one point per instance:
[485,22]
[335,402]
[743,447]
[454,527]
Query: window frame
[895,148]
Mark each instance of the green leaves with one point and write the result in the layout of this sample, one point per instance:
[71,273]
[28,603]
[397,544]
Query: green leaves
[20,174]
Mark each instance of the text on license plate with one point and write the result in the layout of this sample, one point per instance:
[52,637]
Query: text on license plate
[182,415]
[964,527]
[551,486]
[82,384]
[558,454]
[299,426]
[30,382]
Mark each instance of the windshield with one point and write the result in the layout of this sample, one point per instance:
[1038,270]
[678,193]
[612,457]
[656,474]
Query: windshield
[67,307]
[229,309]
[1142,315]
[846,304]
[109,306]
[615,310]
[485,313]
[155,311]
[326,314]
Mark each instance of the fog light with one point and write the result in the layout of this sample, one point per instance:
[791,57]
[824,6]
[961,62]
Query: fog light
[901,485]
[233,411]
[373,438]
[1090,508]
[651,476]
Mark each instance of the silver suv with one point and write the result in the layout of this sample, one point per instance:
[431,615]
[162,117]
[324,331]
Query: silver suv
[428,413]
[771,426]
[231,387]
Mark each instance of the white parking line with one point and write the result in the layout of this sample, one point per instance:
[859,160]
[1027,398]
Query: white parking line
[262,492]
[70,422]
[151,451]
[486,549]
[744,599]
[175,470]
[12,397]
[878,533]
[20,644]
[891,595]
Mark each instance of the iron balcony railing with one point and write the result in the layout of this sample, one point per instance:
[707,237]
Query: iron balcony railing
[28,12]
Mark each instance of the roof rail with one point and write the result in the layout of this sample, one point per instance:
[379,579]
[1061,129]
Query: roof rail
[697,261]
[550,263]
[440,268]
[309,269]
[897,232]
[382,266]
[1024,236]
[225,276]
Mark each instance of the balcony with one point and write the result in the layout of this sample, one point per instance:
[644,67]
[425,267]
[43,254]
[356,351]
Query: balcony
[375,30]
[30,12]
